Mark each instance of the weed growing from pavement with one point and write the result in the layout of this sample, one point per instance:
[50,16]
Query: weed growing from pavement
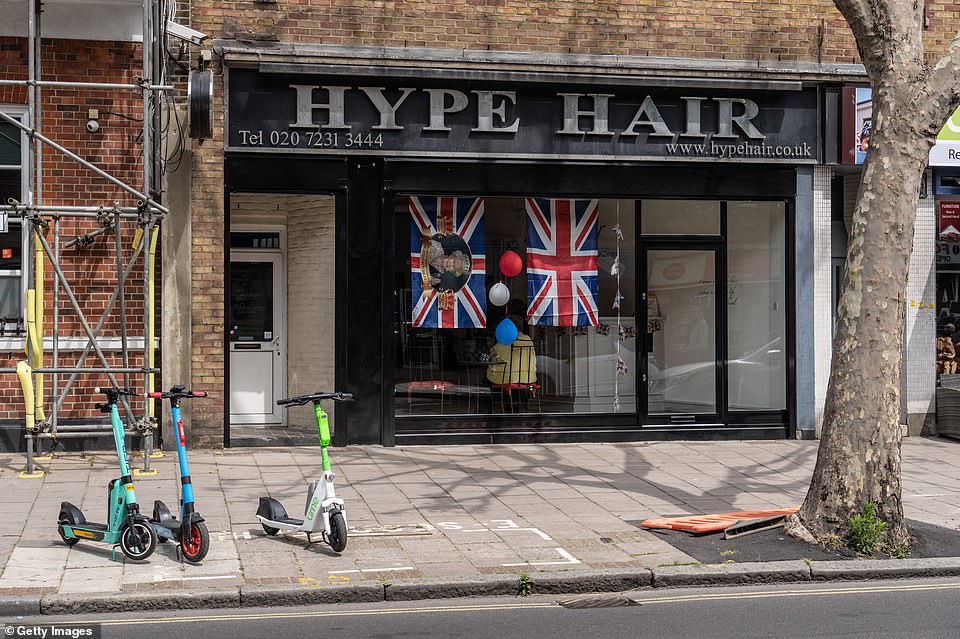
[866,530]
[833,542]
[525,585]
[895,550]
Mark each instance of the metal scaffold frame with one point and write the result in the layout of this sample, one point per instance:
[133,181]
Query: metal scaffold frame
[37,218]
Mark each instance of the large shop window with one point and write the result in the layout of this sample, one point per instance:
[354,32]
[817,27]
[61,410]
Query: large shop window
[11,242]
[514,305]
[756,306]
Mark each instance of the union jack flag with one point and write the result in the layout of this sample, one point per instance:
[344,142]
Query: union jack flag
[438,308]
[562,262]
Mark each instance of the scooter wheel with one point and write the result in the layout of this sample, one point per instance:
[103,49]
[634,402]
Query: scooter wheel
[338,531]
[195,544]
[146,545]
[270,531]
[64,520]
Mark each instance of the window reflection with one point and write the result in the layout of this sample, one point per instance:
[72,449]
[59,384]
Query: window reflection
[756,309]
[564,358]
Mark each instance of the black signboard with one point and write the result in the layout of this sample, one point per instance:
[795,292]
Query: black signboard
[303,113]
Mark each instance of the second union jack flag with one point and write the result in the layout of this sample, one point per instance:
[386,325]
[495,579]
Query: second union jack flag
[448,264]
[562,262]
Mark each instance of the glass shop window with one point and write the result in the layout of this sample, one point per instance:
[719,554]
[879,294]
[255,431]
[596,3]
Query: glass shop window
[514,305]
[756,306]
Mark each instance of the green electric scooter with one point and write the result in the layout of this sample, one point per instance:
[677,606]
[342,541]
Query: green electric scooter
[323,511]
[125,526]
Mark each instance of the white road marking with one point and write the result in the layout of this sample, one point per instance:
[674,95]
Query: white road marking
[570,560]
[537,531]
[341,572]
[158,577]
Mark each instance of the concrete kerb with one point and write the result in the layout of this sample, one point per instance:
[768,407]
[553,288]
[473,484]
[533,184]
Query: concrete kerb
[543,583]
[885,568]
[759,572]
[294,595]
[133,601]
[482,586]
[580,582]
[21,605]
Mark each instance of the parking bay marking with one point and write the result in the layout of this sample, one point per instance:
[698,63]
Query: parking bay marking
[510,525]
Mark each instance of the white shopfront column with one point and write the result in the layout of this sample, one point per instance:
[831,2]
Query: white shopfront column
[920,376]
[822,286]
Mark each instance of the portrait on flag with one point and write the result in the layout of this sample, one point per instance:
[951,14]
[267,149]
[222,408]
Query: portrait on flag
[562,262]
[447,262]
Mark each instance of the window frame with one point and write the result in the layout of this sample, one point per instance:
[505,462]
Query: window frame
[18,111]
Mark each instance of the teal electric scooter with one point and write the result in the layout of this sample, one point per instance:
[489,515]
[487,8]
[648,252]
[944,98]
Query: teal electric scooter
[189,531]
[125,526]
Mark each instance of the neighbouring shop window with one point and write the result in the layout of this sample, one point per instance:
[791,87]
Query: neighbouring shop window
[948,281]
[514,305]
[756,305]
[11,243]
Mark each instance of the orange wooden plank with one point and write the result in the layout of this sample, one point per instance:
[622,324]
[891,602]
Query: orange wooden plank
[713,523]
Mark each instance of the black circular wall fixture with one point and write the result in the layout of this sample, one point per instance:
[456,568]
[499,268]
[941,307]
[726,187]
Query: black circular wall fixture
[200,98]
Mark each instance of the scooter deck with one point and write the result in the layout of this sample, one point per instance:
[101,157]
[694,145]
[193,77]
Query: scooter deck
[92,525]
[173,525]
[290,522]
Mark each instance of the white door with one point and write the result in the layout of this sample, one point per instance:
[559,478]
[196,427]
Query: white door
[257,361]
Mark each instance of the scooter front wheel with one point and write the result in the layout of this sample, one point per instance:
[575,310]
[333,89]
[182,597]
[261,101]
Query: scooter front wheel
[65,520]
[195,543]
[338,531]
[142,548]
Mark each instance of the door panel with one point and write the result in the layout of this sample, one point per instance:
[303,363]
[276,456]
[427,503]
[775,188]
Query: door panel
[251,383]
[681,334]
[257,370]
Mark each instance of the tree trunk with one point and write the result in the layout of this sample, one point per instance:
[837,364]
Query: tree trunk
[859,456]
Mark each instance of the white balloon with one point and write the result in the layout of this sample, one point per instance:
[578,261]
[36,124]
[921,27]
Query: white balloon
[499,294]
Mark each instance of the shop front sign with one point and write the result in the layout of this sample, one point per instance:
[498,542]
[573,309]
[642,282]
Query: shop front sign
[334,114]
[948,246]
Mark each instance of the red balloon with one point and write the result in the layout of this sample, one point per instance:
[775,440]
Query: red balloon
[511,264]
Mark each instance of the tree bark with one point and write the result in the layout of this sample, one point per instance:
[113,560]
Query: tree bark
[859,455]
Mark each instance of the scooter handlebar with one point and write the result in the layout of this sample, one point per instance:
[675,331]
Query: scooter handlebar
[119,391]
[178,394]
[303,399]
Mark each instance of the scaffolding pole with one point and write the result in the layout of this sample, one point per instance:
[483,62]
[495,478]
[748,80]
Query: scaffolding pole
[37,218]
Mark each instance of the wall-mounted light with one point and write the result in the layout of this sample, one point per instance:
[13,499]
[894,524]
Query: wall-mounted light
[93,120]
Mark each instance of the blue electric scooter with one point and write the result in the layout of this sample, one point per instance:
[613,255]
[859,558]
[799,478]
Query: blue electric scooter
[189,531]
[125,526]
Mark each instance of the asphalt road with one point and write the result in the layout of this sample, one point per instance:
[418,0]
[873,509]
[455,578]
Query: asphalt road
[925,609]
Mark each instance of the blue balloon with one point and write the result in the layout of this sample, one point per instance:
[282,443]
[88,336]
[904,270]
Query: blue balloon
[506,332]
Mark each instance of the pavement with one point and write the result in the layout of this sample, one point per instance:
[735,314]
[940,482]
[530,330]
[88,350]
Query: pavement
[433,522]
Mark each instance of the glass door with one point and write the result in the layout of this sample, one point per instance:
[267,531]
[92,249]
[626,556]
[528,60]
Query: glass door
[682,371]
